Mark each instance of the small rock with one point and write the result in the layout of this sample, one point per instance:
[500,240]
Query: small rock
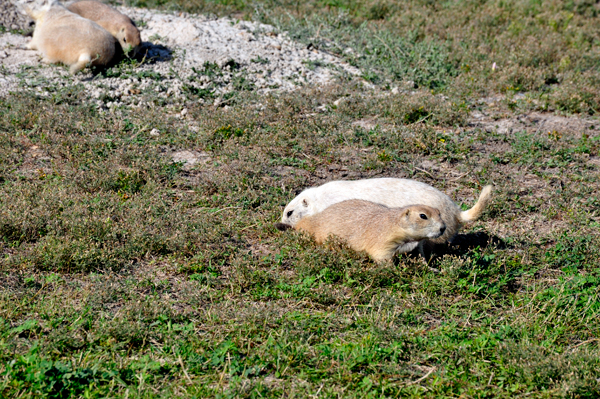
[223,61]
[154,132]
[429,166]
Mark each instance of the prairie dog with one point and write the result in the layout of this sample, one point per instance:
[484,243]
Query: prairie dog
[117,24]
[64,37]
[391,192]
[375,228]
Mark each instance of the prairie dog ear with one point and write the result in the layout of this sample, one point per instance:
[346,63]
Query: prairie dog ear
[305,203]
[406,213]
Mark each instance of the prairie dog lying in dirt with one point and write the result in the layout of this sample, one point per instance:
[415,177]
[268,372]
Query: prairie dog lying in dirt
[391,192]
[375,228]
[117,24]
[64,37]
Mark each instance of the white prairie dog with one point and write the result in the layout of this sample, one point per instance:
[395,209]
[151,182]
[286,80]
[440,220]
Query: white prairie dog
[64,37]
[391,192]
[117,24]
[375,228]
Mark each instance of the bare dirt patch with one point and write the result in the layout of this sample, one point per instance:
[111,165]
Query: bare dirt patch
[533,122]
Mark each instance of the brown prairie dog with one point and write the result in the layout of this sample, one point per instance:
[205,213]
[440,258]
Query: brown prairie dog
[119,25]
[64,37]
[375,228]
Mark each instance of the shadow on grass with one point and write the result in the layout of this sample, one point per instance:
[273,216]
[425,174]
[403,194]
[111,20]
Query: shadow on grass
[463,243]
[147,53]
[460,245]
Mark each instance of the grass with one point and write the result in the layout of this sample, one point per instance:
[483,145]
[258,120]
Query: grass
[466,50]
[125,274]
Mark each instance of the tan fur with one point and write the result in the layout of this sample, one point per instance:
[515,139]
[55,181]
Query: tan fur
[119,25]
[64,37]
[375,228]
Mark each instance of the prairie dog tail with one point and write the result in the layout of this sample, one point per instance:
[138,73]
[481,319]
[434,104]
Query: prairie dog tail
[474,213]
[82,62]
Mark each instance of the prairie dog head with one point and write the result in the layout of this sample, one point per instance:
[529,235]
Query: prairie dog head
[298,208]
[421,221]
[129,37]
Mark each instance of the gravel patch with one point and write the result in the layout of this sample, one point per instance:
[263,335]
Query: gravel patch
[11,19]
[183,55]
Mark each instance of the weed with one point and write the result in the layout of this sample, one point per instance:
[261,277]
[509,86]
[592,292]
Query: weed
[260,60]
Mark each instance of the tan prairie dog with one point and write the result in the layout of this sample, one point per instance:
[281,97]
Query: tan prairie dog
[375,228]
[391,192]
[119,25]
[64,37]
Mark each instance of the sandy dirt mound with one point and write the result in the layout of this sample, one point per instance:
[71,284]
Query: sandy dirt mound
[182,54]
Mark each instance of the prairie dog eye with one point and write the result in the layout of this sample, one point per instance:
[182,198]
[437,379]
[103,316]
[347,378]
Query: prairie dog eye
[125,39]
[423,216]
[290,213]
